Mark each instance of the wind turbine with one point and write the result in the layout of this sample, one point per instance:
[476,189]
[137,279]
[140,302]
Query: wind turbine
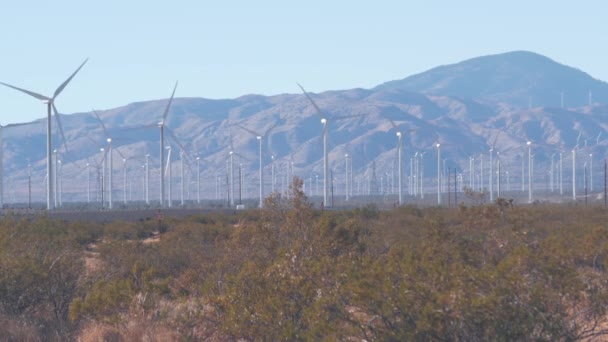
[111,166]
[161,126]
[50,103]
[260,137]
[183,156]
[421,178]
[399,157]
[324,121]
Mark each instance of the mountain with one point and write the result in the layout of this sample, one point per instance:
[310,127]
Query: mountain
[515,78]
[467,107]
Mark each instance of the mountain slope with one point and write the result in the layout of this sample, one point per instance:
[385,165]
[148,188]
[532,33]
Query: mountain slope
[465,127]
[514,77]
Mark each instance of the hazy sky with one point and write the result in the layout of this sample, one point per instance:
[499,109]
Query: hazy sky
[138,49]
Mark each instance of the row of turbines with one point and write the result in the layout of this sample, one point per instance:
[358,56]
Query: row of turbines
[416,180]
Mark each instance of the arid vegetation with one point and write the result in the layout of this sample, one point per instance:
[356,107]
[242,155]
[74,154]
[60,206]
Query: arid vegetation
[291,272]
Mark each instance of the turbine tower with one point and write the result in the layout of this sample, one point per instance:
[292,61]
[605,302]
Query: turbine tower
[324,121]
[168,173]
[260,137]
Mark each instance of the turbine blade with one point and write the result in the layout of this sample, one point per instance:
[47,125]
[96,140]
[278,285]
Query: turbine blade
[269,139]
[248,130]
[105,131]
[270,129]
[60,126]
[348,116]
[495,138]
[178,142]
[242,157]
[119,153]
[30,93]
[312,101]
[167,165]
[65,83]
[230,133]
[105,153]
[166,113]
[393,124]
[128,128]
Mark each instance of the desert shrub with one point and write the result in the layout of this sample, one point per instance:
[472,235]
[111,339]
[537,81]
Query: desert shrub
[128,230]
[40,265]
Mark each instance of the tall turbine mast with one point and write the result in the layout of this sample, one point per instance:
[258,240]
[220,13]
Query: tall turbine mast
[49,155]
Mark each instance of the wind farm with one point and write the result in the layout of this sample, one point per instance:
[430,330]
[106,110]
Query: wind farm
[303,171]
[356,128]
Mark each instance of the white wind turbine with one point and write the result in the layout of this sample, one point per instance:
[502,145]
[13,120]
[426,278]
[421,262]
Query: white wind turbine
[110,162]
[260,137]
[50,104]
[324,121]
[183,156]
[161,126]
[399,161]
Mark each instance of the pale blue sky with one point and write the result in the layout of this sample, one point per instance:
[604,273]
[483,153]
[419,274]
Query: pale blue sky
[137,49]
